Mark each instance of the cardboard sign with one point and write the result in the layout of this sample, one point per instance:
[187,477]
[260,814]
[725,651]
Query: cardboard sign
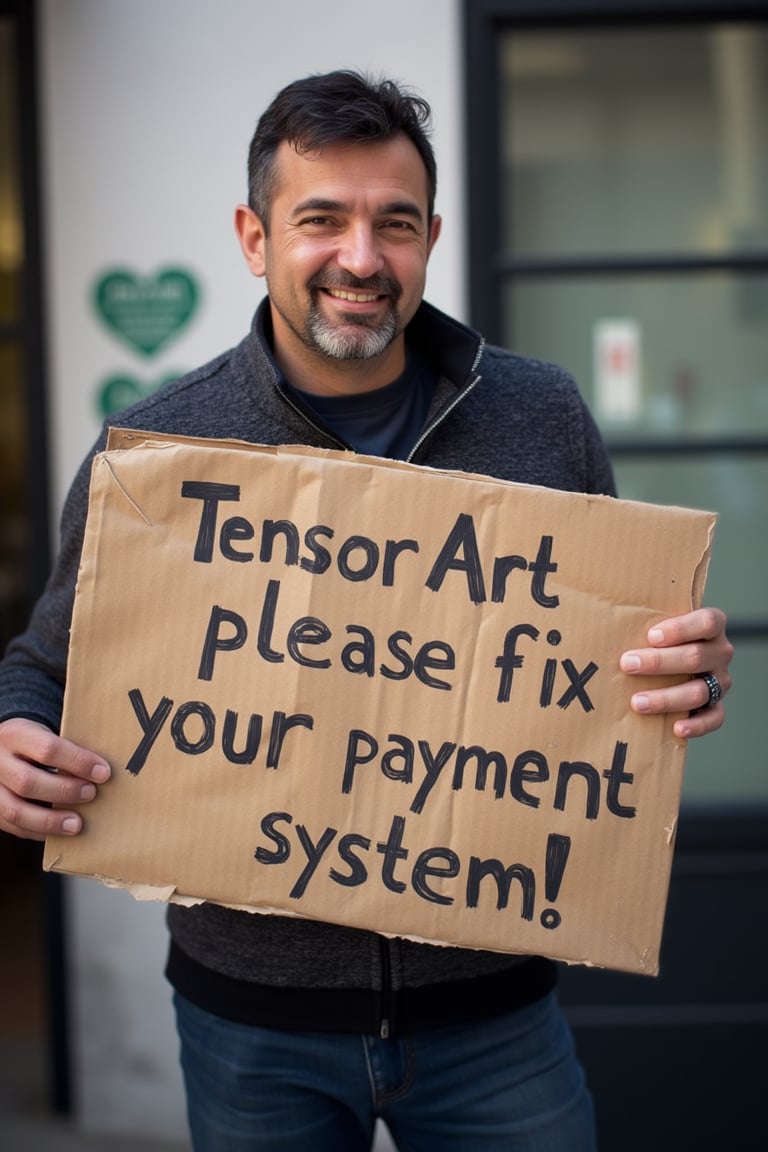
[378,695]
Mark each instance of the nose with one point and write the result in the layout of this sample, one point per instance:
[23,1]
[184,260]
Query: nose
[359,251]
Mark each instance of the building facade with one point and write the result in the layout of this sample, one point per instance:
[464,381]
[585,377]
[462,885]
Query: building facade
[603,179]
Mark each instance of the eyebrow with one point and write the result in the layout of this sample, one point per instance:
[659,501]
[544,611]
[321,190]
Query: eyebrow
[392,208]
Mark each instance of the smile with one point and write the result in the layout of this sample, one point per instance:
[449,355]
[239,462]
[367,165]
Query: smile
[354,297]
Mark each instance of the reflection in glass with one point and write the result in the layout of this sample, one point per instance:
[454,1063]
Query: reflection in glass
[636,140]
[637,144]
[732,486]
[701,362]
[729,766]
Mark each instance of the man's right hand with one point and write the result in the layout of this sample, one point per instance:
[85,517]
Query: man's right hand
[43,779]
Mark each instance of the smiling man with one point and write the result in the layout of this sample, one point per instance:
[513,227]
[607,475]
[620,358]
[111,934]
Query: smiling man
[344,250]
[296,1035]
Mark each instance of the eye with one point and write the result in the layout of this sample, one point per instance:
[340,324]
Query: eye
[316,223]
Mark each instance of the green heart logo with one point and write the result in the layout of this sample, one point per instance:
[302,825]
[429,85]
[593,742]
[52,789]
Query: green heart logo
[119,392]
[146,312]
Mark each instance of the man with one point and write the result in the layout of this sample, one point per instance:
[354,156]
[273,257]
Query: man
[296,1035]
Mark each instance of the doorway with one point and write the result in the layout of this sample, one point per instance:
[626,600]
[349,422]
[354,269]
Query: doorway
[618,208]
[33,1074]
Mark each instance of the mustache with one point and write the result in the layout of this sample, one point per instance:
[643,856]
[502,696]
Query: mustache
[381,285]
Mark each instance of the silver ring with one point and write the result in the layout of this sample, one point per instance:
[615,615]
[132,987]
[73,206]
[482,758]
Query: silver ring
[714,686]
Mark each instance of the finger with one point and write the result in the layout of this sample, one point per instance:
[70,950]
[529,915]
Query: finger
[35,802]
[32,820]
[688,696]
[701,723]
[42,778]
[31,782]
[700,624]
[685,660]
[689,644]
[32,742]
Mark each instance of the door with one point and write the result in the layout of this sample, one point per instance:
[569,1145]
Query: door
[32,1040]
[619,226]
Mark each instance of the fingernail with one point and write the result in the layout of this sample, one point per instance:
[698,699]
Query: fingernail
[630,663]
[87,792]
[71,824]
[100,773]
[656,636]
[640,703]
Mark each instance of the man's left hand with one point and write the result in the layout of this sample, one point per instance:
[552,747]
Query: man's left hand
[684,645]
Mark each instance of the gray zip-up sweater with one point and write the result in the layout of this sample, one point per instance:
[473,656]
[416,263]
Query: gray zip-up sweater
[494,413]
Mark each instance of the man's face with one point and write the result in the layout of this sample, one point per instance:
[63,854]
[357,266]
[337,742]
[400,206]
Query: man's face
[346,255]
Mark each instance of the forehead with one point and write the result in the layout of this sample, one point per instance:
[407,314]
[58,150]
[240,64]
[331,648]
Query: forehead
[378,173]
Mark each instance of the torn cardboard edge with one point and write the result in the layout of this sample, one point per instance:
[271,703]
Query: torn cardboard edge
[367,498]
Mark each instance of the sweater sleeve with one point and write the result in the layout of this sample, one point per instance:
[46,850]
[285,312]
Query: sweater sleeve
[33,670]
[598,470]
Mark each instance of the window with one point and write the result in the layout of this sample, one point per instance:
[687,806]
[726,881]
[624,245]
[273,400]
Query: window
[619,226]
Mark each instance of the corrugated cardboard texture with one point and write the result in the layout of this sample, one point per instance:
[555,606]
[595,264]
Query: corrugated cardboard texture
[378,695]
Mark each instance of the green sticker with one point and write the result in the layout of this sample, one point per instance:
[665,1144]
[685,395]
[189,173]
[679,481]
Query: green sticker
[119,392]
[146,312]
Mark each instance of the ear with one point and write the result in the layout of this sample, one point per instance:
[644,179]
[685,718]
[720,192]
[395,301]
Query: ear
[250,233]
[434,232]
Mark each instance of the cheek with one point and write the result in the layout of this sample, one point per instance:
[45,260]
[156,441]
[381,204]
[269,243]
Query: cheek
[411,270]
[286,274]
[302,257]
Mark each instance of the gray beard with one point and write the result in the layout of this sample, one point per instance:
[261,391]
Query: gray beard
[357,340]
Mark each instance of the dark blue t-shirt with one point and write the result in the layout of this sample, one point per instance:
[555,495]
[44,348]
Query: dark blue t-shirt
[384,422]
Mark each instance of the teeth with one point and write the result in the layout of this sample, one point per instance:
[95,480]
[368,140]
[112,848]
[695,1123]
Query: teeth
[355,297]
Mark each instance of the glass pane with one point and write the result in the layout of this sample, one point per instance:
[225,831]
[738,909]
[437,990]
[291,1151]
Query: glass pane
[683,355]
[11,242]
[634,140]
[729,766]
[732,486]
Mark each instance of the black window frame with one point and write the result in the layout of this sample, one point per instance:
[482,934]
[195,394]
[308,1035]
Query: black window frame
[489,267]
[29,331]
[636,1036]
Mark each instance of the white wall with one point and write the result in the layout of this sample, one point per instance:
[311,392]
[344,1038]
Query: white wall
[148,107]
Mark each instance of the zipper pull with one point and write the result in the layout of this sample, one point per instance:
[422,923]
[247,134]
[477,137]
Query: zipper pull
[384,1030]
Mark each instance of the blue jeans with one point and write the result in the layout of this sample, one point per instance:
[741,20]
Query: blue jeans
[508,1084]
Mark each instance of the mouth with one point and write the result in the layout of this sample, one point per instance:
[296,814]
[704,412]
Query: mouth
[351,296]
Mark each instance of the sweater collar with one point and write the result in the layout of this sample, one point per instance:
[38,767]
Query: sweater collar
[449,347]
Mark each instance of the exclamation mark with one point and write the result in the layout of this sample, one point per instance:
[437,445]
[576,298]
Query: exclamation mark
[558,848]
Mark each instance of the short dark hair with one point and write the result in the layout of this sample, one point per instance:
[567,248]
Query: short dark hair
[328,109]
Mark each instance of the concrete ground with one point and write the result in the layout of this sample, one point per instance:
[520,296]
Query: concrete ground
[27,1123]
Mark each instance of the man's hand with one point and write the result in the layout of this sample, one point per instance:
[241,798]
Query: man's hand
[684,645]
[39,769]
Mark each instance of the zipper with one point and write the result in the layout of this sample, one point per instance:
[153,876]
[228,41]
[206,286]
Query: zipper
[387,999]
[445,413]
[385,1014]
[441,416]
